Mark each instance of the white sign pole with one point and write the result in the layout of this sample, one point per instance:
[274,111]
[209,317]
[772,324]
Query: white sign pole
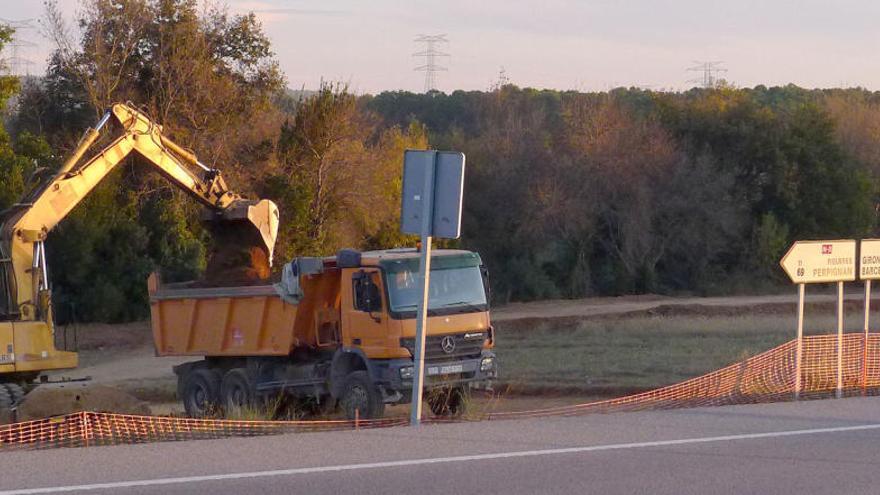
[869,270]
[839,339]
[424,282]
[813,262]
[865,341]
[799,348]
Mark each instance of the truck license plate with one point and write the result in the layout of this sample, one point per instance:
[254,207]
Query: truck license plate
[445,370]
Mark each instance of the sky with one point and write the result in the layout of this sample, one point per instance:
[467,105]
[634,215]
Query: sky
[583,45]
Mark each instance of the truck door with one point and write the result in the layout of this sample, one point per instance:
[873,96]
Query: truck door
[367,319]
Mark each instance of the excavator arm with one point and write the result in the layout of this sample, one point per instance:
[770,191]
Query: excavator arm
[26,225]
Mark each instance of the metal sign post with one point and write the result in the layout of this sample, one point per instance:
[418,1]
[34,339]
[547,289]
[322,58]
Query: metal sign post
[433,184]
[424,284]
[810,262]
[799,349]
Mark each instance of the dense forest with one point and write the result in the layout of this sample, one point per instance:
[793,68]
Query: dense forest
[568,194]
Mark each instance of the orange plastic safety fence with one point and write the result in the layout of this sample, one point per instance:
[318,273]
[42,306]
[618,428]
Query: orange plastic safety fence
[769,376]
[91,428]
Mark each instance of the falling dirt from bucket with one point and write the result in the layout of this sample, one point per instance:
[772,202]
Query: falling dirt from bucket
[238,257]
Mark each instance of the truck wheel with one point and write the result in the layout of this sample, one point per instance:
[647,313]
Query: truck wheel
[236,391]
[16,391]
[200,392]
[449,402]
[361,394]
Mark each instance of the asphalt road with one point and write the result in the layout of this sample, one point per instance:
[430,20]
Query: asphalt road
[817,447]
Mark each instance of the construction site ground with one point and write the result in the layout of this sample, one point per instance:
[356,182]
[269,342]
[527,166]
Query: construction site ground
[552,353]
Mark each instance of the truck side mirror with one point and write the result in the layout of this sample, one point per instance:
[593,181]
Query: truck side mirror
[372,299]
[484,272]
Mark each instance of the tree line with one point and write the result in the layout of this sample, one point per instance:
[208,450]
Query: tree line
[567,194]
[573,194]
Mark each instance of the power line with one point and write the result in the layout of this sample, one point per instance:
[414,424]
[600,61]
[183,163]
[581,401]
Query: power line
[16,61]
[503,80]
[431,53]
[710,70]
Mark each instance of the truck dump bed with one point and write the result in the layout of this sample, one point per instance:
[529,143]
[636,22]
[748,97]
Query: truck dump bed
[242,321]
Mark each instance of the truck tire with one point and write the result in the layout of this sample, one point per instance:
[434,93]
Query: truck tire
[237,391]
[360,394]
[200,392]
[16,391]
[449,402]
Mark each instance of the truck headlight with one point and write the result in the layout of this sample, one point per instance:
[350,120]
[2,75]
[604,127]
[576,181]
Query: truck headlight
[487,363]
[406,373]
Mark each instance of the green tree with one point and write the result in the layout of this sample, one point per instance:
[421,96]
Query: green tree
[207,76]
[99,258]
[338,181]
[12,167]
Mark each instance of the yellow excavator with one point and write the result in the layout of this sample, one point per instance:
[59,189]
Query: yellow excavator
[27,330]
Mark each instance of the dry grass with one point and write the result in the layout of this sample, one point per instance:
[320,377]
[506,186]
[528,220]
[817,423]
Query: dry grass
[272,408]
[613,357]
[563,358]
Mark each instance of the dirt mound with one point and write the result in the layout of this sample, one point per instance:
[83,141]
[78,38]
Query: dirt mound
[238,257]
[59,399]
[702,310]
[763,308]
[695,310]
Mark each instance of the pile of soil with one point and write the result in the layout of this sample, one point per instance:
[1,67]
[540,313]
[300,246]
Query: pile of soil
[60,399]
[238,257]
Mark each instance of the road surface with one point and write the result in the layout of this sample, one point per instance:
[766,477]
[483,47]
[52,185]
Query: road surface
[814,447]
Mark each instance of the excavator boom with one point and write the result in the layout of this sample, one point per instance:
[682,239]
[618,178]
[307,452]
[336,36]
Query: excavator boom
[26,343]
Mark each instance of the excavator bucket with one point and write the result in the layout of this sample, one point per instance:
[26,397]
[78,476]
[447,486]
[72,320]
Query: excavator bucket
[262,216]
[244,236]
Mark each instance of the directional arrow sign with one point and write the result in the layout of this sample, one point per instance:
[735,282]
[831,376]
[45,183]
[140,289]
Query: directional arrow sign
[869,259]
[811,262]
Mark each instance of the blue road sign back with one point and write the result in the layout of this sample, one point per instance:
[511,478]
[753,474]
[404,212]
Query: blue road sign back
[447,192]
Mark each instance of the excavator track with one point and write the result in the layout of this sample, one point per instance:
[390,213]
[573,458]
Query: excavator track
[6,404]
[16,392]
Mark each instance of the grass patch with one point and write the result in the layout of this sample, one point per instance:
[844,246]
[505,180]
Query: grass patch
[613,357]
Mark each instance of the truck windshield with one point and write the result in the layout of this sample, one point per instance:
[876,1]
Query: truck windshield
[456,285]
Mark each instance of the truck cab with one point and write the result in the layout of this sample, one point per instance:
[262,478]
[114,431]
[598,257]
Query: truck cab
[379,319]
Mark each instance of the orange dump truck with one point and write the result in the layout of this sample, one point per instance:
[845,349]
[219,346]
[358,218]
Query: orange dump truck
[333,330]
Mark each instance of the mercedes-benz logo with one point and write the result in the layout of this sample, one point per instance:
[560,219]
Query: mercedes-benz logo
[448,344]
